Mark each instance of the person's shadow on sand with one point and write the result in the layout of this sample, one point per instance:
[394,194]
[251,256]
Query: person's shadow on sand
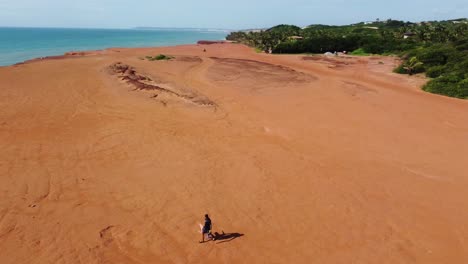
[225,237]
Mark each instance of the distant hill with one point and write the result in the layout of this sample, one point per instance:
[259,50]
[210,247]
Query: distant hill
[183,29]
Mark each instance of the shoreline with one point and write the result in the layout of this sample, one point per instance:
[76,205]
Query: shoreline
[24,44]
[83,53]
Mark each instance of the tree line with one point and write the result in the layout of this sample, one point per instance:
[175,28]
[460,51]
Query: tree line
[438,48]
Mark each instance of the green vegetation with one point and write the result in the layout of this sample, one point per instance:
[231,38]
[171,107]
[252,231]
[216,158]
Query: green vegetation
[448,66]
[258,50]
[159,57]
[360,52]
[413,65]
[437,48]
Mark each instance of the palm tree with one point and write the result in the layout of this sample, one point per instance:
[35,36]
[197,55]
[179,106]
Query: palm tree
[400,33]
[412,65]
[440,33]
[423,32]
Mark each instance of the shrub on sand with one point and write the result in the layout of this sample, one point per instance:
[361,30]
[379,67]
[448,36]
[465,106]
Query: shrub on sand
[159,57]
[359,52]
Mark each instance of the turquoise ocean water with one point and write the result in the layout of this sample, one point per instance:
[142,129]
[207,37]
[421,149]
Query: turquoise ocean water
[20,44]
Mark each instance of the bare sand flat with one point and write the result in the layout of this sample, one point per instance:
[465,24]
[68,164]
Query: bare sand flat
[108,158]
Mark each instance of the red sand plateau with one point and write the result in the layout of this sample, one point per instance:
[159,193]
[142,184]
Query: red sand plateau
[111,158]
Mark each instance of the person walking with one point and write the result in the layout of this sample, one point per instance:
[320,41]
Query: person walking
[206,229]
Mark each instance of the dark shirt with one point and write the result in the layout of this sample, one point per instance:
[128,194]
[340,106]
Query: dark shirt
[207,224]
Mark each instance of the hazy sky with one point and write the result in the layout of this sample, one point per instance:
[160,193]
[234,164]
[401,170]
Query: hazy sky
[235,14]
